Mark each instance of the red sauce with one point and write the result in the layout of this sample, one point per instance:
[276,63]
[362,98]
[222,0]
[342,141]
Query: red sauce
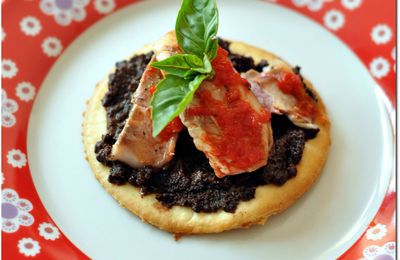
[150,70]
[290,83]
[225,73]
[174,127]
[239,144]
[152,89]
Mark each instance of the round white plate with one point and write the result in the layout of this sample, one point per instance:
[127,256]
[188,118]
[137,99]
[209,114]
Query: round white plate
[323,224]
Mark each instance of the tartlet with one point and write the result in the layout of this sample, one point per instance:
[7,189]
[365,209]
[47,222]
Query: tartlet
[269,199]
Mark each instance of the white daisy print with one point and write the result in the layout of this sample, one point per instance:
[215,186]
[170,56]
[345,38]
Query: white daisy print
[371,251]
[3,95]
[30,26]
[104,6]
[390,247]
[376,233]
[28,247]
[10,225]
[7,119]
[14,211]
[386,252]
[48,231]
[312,5]
[9,195]
[52,46]
[25,91]
[16,158]
[8,69]
[379,67]
[393,53]
[351,4]
[300,3]
[2,178]
[65,11]
[3,35]
[315,5]
[381,34]
[9,106]
[334,20]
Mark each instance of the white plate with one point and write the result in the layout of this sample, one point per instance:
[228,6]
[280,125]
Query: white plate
[323,224]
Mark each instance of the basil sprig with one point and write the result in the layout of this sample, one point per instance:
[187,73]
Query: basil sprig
[184,65]
[196,27]
[196,32]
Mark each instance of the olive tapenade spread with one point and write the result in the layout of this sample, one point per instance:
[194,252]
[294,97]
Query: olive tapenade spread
[188,180]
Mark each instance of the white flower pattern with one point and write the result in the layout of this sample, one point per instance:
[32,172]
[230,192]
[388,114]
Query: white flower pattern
[393,55]
[65,11]
[379,67]
[28,247]
[30,26]
[104,6]
[8,107]
[8,120]
[16,158]
[315,5]
[351,4]
[376,232]
[52,46]
[3,35]
[312,5]
[300,3]
[8,69]
[381,34]
[25,91]
[390,247]
[334,20]
[48,231]
[371,251]
[14,211]
[385,252]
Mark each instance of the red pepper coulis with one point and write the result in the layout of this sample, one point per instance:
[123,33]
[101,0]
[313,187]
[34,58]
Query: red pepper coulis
[290,83]
[174,127]
[152,89]
[239,144]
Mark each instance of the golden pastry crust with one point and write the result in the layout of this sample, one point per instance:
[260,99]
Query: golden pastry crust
[269,199]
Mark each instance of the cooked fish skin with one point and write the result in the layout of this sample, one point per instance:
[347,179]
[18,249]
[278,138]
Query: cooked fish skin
[135,145]
[207,133]
[282,103]
[205,130]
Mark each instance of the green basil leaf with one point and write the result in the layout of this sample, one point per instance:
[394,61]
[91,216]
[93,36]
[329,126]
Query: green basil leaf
[183,65]
[171,97]
[196,27]
[207,64]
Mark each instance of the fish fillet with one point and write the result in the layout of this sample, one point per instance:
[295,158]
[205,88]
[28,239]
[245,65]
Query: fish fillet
[135,145]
